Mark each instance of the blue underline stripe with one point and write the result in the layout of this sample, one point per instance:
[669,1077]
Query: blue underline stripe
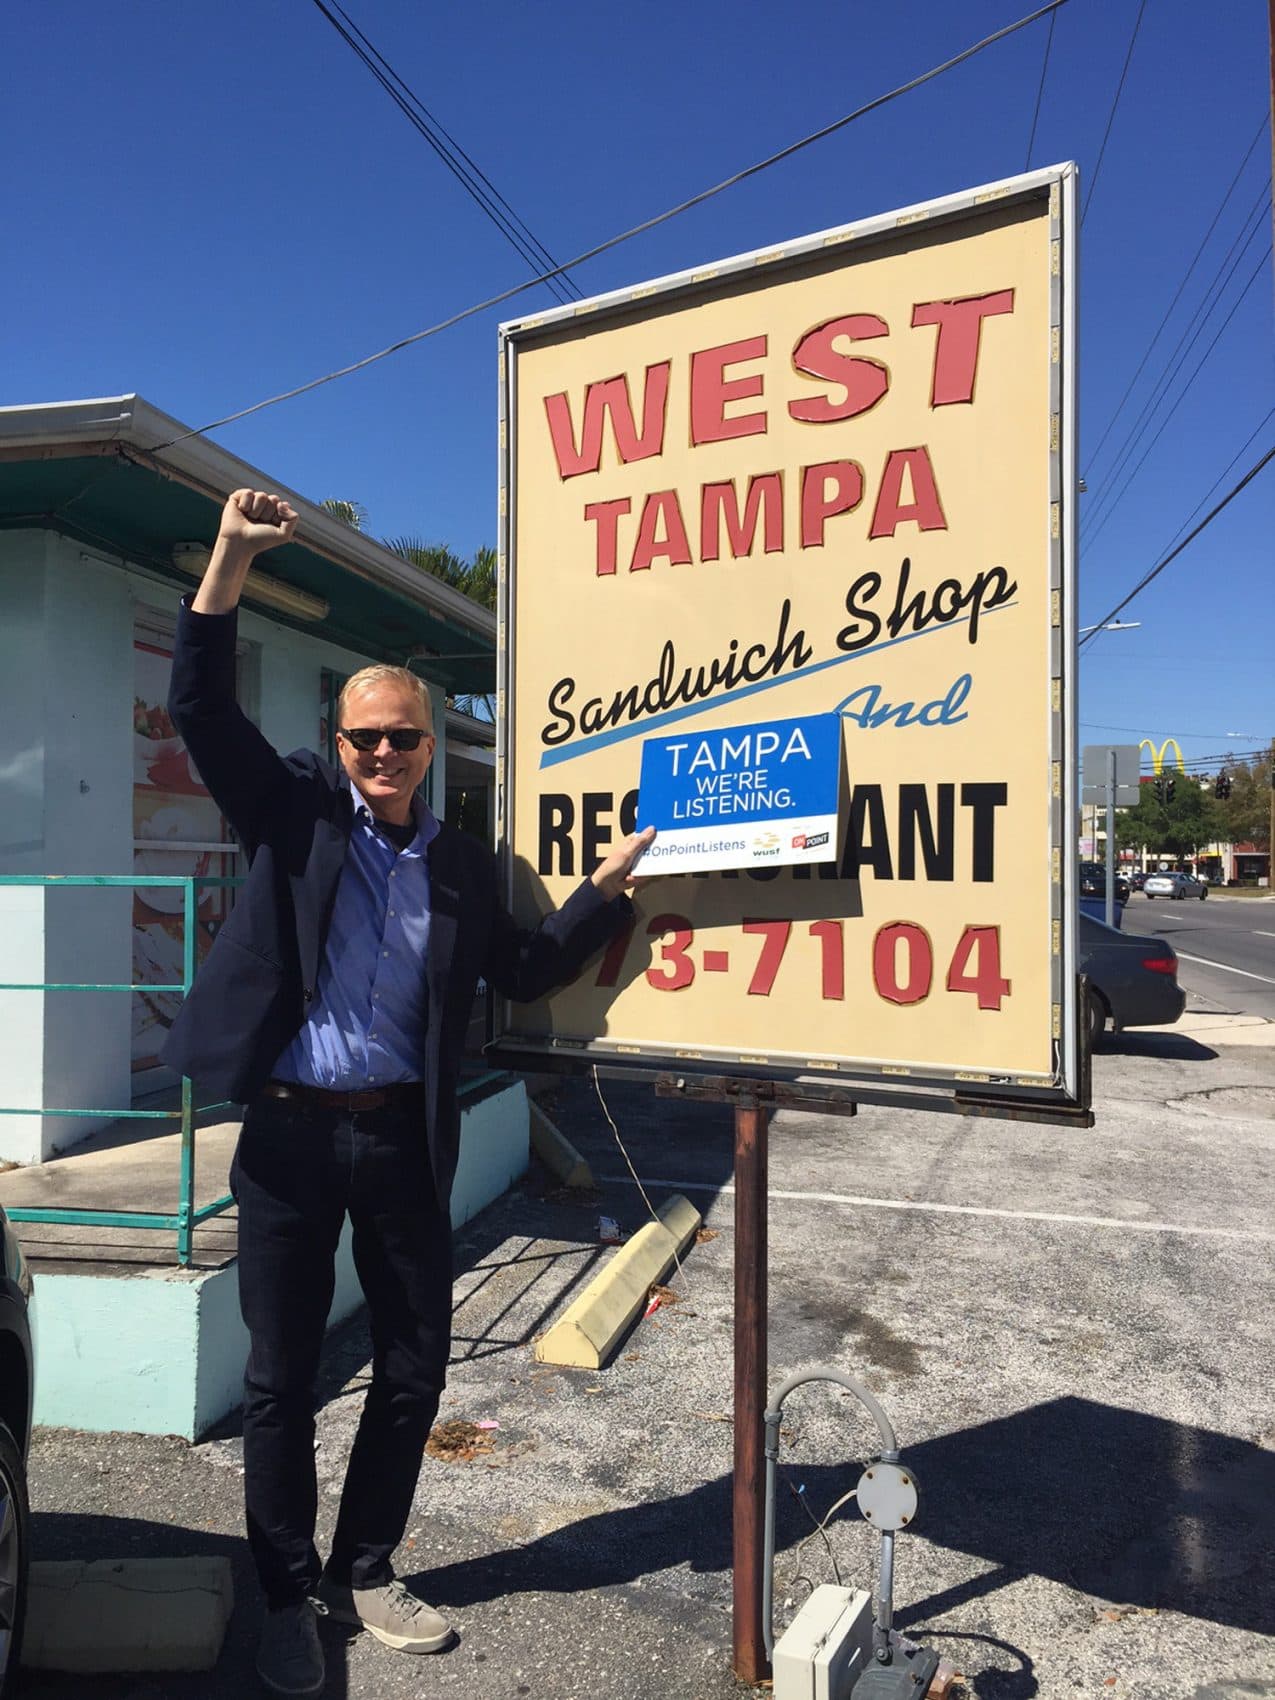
[640,728]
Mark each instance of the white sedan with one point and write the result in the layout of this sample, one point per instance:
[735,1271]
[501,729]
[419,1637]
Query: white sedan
[1177,886]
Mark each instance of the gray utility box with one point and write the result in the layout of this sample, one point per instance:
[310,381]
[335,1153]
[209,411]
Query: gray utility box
[826,1647]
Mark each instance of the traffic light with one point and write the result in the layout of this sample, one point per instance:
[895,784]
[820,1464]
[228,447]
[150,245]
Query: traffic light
[1222,786]
[1170,785]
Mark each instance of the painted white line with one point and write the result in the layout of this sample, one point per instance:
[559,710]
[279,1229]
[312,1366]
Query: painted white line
[1194,1229]
[1206,962]
[1263,935]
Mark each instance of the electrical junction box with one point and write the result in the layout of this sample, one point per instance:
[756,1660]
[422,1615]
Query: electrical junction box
[826,1647]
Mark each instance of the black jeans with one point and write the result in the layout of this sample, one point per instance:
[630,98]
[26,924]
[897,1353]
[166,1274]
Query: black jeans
[296,1174]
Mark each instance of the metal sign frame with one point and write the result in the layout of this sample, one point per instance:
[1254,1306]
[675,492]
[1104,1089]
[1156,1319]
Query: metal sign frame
[1066,1088]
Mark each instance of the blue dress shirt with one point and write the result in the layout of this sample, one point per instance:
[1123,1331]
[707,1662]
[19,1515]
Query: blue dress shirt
[366,1025]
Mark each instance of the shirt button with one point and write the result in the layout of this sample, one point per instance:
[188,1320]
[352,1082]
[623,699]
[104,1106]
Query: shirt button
[385,953]
[391,911]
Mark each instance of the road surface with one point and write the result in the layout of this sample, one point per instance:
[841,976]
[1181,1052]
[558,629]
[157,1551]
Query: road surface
[1225,946]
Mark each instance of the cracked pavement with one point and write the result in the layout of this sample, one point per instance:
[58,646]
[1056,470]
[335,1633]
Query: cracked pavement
[1070,1331]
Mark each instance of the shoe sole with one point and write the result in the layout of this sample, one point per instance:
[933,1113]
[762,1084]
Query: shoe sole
[399,1643]
[292,1693]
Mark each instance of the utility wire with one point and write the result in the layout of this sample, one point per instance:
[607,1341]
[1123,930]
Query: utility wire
[1160,565]
[625,235]
[470,176]
[1044,67]
[1194,328]
[546,258]
[1181,396]
[1224,474]
[1111,117]
[1140,731]
[1207,305]
[1186,278]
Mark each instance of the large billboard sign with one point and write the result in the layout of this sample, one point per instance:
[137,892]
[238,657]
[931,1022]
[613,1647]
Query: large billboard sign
[836,479]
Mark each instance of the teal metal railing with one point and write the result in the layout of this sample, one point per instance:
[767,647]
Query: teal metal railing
[187,1217]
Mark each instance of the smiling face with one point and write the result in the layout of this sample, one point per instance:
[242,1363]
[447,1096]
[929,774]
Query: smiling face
[386,777]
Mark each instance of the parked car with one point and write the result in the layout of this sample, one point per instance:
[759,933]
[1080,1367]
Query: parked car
[1093,882]
[1177,885]
[1133,981]
[16,1389]
[1137,879]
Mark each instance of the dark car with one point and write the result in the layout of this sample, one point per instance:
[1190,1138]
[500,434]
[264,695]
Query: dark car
[16,1388]
[1133,981]
[1137,879]
[1093,882]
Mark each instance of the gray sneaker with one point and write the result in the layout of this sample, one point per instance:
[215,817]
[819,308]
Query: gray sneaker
[290,1659]
[391,1612]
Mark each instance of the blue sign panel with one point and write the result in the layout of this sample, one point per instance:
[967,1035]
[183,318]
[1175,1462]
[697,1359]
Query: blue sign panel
[740,796]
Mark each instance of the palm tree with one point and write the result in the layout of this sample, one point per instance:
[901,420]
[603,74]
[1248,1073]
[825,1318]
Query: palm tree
[352,513]
[475,579]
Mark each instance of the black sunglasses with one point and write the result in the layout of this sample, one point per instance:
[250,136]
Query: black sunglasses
[368,738]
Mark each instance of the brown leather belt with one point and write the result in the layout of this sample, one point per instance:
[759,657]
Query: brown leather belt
[406,1095]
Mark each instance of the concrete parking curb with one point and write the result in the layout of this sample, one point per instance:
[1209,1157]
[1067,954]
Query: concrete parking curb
[133,1614]
[556,1151]
[593,1323]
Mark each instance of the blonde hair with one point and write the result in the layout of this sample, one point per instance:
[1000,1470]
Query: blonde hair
[383,674]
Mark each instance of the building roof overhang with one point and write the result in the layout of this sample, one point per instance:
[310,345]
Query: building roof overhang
[125,479]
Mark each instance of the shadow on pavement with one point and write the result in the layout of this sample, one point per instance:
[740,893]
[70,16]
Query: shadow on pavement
[1141,1042]
[57,1535]
[1129,1508]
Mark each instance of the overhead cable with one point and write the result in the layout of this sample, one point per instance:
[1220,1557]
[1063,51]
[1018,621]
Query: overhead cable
[1141,731]
[1224,474]
[1160,565]
[1186,278]
[472,178]
[1254,220]
[625,235]
[1181,395]
[1111,116]
[1040,90]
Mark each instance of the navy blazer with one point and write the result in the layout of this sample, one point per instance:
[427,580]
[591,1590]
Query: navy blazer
[293,816]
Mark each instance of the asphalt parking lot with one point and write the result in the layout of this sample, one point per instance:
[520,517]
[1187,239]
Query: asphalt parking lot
[1070,1330]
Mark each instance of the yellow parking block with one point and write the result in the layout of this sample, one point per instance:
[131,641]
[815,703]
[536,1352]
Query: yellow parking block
[593,1323]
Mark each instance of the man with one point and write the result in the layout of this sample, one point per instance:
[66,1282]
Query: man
[334,1006]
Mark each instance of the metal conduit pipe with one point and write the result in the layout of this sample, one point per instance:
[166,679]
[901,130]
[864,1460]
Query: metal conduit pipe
[889,1454]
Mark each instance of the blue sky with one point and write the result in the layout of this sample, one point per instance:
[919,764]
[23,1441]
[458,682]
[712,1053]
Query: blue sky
[210,203]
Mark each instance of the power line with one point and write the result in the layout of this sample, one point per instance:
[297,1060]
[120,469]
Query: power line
[471,177]
[1111,117]
[1114,488]
[1160,565]
[1040,90]
[1186,278]
[544,252]
[1212,295]
[1224,474]
[1141,732]
[625,235]
[1181,396]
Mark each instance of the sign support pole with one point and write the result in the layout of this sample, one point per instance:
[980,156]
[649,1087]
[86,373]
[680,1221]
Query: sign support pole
[749,1492]
[1111,838]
